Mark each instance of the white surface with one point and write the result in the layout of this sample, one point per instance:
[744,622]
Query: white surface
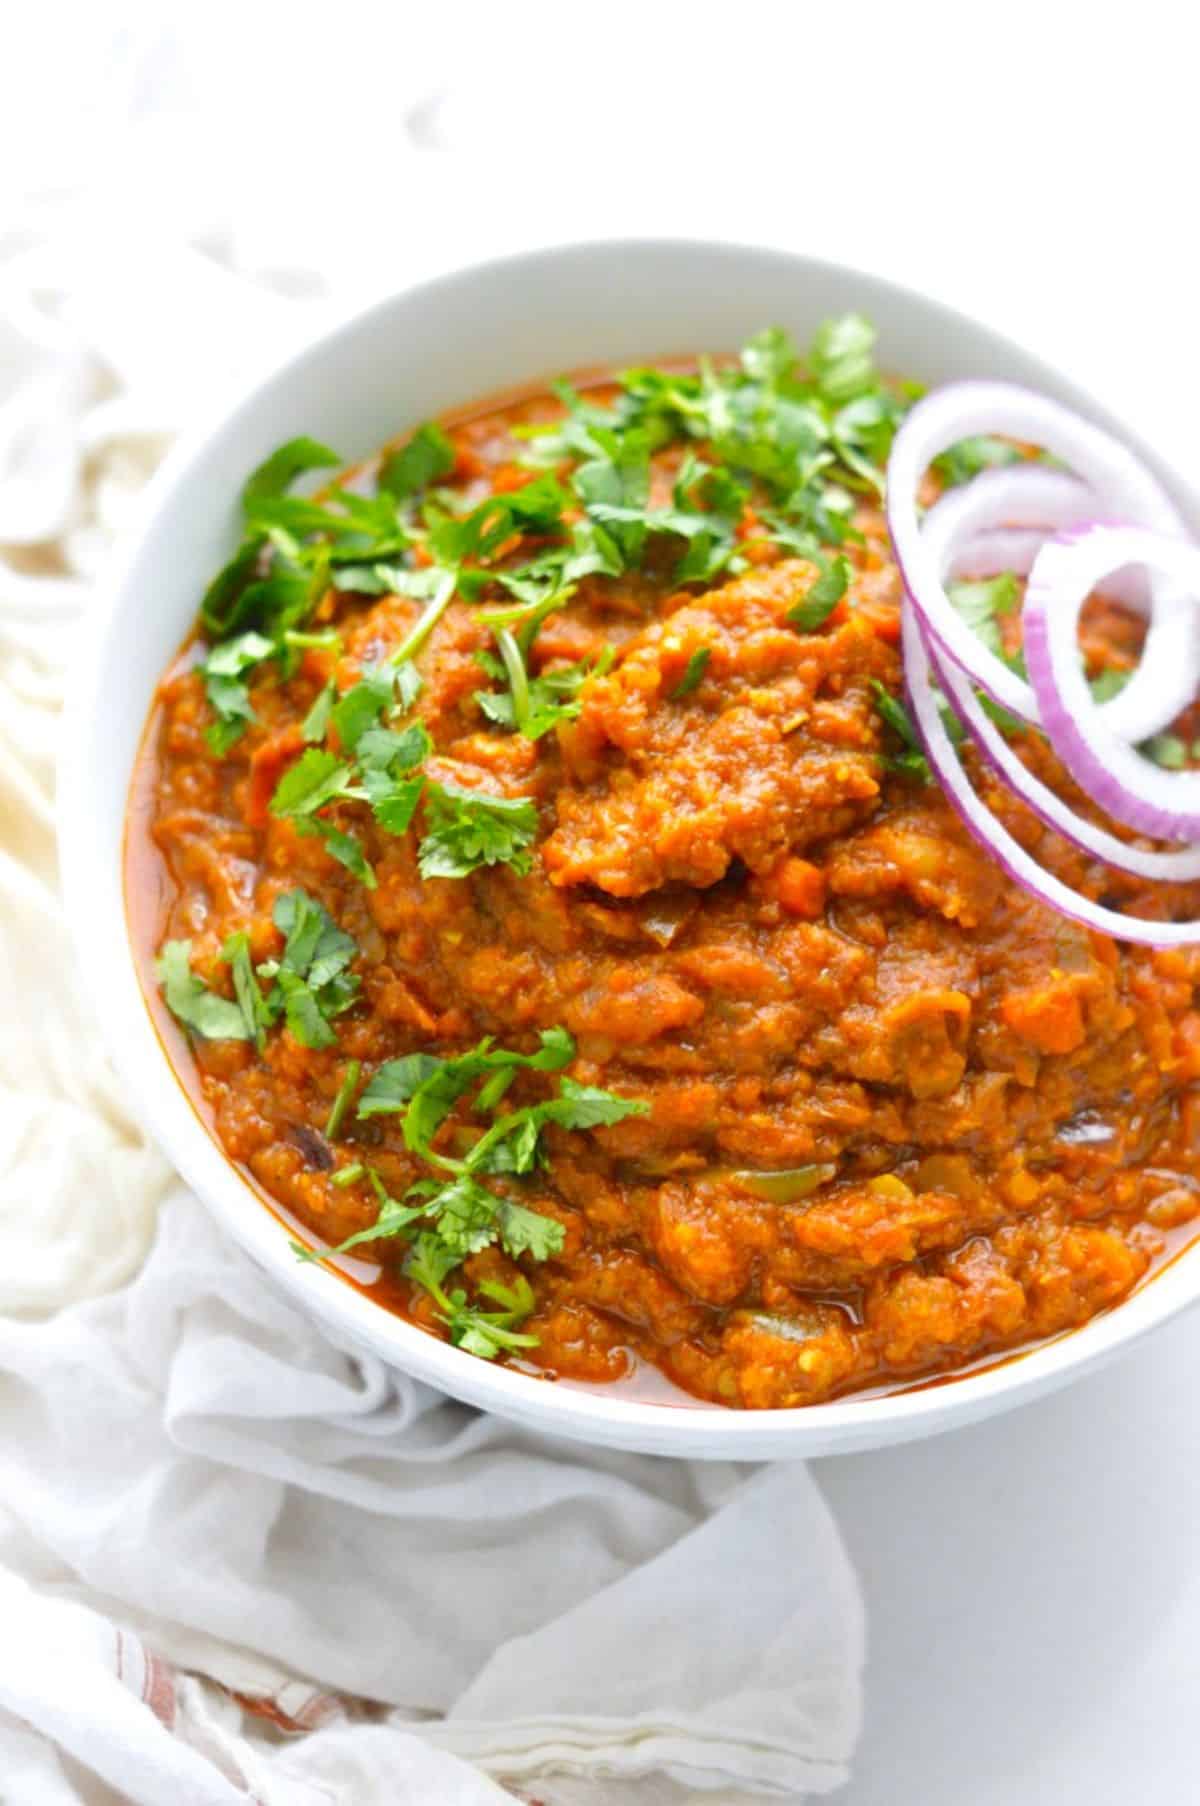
[1033,1595]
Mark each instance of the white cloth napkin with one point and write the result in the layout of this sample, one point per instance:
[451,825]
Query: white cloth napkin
[238,1564]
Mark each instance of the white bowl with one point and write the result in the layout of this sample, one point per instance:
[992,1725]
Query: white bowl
[446,342]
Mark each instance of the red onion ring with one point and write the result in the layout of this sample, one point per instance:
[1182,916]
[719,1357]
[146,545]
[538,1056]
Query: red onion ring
[1165,804]
[1182,867]
[991,834]
[1015,548]
[1167,679]
[996,545]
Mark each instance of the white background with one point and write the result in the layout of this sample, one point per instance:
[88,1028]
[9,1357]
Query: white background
[1033,1585]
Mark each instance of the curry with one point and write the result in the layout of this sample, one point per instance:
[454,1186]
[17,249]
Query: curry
[561,914]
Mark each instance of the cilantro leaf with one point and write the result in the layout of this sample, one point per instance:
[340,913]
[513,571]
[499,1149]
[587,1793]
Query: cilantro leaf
[431,1087]
[467,1215]
[428,455]
[303,1013]
[428,1263]
[311,975]
[537,507]
[529,1232]
[342,1101]
[311,982]
[841,357]
[912,762]
[457,1216]
[346,848]
[395,811]
[588,1107]
[316,947]
[513,1143]
[614,486]
[221,598]
[395,1082]
[385,759]
[534,705]
[469,828]
[409,684]
[1109,683]
[693,672]
[256,1011]
[385,749]
[276,474]
[482,1333]
[394,1218]
[863,431]
[379,578]
[1167,750]
[191,1002]
[982,602]
[965,460]
[315,725]
[822,598]
[224,671]
[360,707]
[314,780]
[770,355]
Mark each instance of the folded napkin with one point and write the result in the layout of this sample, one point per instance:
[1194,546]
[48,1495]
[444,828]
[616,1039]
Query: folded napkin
[249,1503]
[237,1562]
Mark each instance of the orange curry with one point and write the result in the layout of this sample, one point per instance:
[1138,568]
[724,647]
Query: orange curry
[878,1113]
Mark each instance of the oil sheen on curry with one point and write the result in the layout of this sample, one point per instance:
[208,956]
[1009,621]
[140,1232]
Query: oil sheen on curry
[553,905]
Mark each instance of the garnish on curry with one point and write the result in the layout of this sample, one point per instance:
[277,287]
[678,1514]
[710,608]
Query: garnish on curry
[561,912]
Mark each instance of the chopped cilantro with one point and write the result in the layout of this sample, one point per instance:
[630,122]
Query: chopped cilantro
[225,670]
[911,762]
[428,455]
[533,705]
[1167,750]
[770,355]
[841,358]
[312,983]
[469,828]
[342,1101]
[316,778]
[982,602]
[315,725]
[693,672]
[470,1327]
[1109,683]
[409,684]
[278,472]
[190,1001]
[256,1011]
[822,598]
[456,1214]
[395,1082]
[361,706]
[970,457]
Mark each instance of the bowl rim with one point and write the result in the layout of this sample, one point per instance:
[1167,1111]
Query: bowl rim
[601,1416]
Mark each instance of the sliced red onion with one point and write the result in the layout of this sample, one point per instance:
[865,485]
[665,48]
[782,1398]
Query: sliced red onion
[1181,867]
[1130,787]
[1019,865]
[1019,495]
[1015,548]
[1033,495]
